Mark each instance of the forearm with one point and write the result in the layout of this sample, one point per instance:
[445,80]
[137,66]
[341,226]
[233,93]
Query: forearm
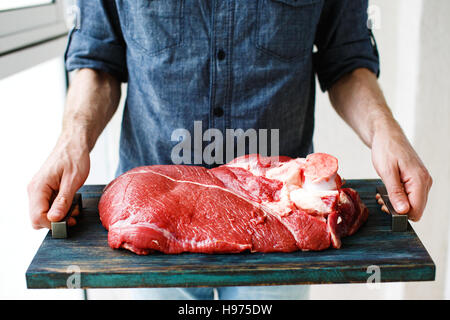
[92,100]
[358,99]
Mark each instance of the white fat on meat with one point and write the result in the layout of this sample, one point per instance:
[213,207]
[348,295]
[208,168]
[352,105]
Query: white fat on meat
[320,184]
[284,205]
[311,200]
[307,195]
[287,172]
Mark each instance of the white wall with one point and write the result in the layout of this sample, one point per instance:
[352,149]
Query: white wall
[431,139]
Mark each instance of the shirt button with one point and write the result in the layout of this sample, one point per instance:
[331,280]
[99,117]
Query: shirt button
[221,54]
[218,111]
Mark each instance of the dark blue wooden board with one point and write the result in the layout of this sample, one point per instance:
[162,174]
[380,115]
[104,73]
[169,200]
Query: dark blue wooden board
[400,256]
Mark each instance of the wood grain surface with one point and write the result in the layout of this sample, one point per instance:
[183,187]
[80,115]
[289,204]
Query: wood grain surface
[400,256]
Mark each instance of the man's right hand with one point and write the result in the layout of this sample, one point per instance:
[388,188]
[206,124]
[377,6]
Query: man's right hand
[92,99]
[52,189]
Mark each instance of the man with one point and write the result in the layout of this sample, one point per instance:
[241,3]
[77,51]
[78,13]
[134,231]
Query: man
[229,64]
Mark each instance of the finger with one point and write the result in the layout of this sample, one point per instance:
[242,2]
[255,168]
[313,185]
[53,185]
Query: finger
[418,196]
[76,211]
[40,196]
[63,200]
[380,201]
[71,222]
[396,192]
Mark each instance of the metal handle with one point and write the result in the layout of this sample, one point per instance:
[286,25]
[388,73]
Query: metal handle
[59,229]
[399,221]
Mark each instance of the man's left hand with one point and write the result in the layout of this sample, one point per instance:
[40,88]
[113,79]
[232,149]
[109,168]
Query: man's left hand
[405,176]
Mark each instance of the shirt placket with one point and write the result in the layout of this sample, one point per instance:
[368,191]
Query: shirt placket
[221,65]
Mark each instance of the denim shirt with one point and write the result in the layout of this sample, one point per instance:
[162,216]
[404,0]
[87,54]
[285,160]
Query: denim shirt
[226,64]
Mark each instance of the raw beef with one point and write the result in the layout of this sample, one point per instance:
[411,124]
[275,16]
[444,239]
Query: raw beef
[253,203]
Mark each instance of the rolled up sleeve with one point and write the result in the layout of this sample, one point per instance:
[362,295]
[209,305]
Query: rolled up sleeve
[97,43]
[344,42]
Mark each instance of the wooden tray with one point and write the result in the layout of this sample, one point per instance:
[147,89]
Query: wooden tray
[400,256]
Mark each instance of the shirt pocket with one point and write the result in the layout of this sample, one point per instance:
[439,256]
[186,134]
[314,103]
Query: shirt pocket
[286,28]
[153,26]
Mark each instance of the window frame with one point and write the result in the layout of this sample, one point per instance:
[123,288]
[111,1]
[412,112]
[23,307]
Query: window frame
[41,28]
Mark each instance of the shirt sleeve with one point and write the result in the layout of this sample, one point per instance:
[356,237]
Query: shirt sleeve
[344,42]
[97,41]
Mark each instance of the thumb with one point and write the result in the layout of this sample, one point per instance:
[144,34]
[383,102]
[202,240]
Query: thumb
[396,192]
[62,202]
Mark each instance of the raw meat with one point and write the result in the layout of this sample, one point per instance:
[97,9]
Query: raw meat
[254,203]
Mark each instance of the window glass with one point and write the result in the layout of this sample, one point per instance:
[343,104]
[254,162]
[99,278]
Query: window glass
[16,4]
